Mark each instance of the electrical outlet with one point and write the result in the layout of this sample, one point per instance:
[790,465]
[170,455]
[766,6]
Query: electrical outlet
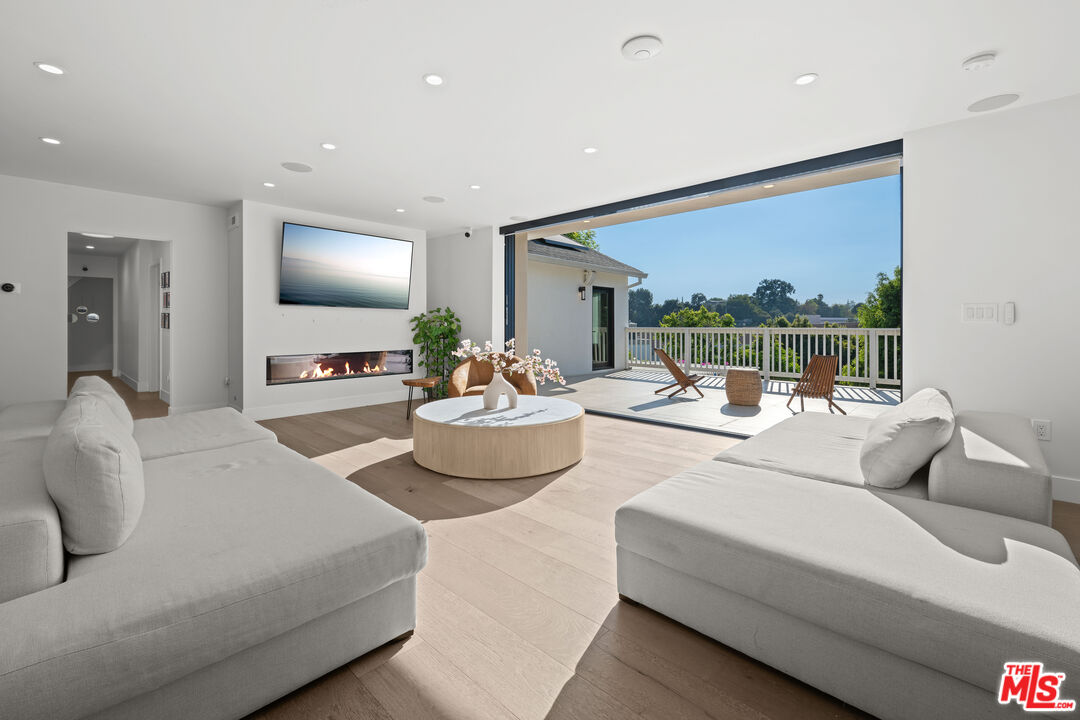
[1044,430]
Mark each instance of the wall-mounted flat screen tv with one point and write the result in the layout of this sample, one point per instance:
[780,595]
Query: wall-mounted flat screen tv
[335,268]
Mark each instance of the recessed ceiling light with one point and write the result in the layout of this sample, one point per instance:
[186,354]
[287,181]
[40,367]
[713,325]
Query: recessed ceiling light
[433,199]
[993,103]
[589,150]
[769,186]
[97,235]
[89,247]
[50,141]
[399,209]
[269,185]
[297,167]
[588,221]
[328,146]
[474,187]
[806,78]
[982,61]
[642,47]
[433,79]
[51,69]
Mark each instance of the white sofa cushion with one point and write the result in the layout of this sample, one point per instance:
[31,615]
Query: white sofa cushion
[816,445]
[100,388]
[236,546]
[902,439]
[95,476]
[960,591]
[195,432]
[28,420]
[993,462]
[31,551]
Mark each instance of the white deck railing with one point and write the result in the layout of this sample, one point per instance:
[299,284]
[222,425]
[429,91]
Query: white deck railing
[867,355]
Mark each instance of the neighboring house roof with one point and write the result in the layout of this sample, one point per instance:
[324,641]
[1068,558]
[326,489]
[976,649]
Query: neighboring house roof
[559,250]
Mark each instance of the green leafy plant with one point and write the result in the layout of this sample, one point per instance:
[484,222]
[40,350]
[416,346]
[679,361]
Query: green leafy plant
[437,332]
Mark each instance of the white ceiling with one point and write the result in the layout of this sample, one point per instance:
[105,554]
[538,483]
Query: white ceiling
[202,100]
[107,247]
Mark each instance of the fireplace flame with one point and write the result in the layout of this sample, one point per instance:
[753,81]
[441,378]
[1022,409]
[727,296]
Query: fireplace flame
[319,373]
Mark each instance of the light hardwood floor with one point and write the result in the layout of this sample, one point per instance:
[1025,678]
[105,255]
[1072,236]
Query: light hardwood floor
[141,404]
[518,613]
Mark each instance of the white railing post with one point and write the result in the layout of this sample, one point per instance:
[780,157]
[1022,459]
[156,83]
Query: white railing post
[766,354]
[872,361]
[686,351]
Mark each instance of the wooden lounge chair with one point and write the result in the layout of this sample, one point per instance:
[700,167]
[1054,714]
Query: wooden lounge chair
[817,381]
[682,380]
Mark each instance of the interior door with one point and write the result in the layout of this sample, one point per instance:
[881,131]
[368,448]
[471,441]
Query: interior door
[603,328]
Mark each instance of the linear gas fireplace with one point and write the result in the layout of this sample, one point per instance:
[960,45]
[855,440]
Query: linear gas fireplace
[284,369]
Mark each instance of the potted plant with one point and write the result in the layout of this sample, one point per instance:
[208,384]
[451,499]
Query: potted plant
[437,332]
[541,368]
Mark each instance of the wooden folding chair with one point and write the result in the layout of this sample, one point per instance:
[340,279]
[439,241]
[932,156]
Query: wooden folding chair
[682,380]
[817,381]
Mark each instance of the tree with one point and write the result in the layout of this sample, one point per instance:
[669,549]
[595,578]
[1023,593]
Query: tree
[800,321]
[745,309]
[726,320]
[774,296]
[585,237]
[882,308]
[687,317]
[698,299]
[641,307]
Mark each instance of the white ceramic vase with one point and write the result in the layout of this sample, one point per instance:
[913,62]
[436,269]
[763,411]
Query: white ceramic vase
[497,387]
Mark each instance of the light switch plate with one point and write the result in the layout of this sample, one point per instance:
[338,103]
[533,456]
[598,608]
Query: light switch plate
[979,312]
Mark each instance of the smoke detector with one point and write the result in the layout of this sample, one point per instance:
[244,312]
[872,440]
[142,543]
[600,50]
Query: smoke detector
[642,47]
[982,61]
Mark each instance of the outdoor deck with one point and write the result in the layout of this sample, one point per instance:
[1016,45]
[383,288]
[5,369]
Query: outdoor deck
[630,394]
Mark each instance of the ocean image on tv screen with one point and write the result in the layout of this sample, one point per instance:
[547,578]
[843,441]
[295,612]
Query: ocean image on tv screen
[343,269]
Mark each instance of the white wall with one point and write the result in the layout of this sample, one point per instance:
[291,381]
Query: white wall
[467,275]
[236,309]
[273,329]
[560,322]
[90,345]
[990,216]
[35,218]
[140,322]
[101,266]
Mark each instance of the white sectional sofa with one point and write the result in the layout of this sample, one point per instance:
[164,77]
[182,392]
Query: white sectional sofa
[250,572]
[904,602]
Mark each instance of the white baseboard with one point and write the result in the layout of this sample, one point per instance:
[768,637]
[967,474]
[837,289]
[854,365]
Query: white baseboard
[164,396]
[130,381]
[1067,489]
[269,412]
[94,367]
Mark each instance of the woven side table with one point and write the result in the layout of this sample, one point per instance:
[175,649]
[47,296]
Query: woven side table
[743,386]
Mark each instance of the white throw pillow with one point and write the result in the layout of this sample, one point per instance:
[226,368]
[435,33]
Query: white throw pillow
[94,474]
[99,387]
[902,439]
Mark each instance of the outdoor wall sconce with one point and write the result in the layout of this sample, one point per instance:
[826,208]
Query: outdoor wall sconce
[581,292]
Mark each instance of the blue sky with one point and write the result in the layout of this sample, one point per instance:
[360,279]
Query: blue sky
[832,241]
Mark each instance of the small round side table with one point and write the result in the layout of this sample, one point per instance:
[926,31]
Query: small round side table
[427,384]
[743,386]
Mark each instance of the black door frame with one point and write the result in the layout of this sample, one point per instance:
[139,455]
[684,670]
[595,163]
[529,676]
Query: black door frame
[610,292]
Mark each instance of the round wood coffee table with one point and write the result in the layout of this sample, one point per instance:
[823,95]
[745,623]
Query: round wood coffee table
[457,436]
